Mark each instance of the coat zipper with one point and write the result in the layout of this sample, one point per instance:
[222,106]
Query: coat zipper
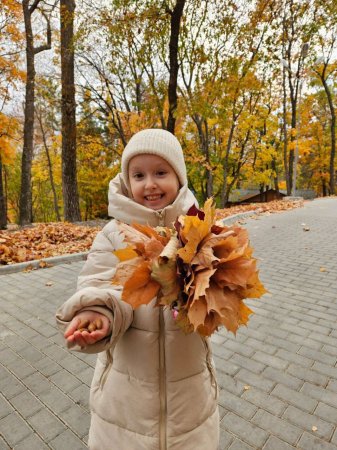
[161,218]
[162,382]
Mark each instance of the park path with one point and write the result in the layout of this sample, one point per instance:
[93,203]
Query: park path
[277,377]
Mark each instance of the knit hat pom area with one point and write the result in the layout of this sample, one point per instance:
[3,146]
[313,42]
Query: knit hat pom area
[158,142]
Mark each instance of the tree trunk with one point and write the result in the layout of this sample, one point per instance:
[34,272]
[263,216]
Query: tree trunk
[224,192]
[285,136]
[68,108]
[26,205]
[176,15]
[50,168]
[204,143]
[3,205]
[28,128]
[333,136]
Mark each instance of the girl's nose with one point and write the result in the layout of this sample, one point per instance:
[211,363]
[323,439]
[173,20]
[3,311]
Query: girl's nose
[150,182]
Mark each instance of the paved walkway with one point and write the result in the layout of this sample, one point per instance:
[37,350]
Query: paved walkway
[278,377]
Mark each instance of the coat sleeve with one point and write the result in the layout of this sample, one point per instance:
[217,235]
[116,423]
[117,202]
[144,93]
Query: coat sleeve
[95,291]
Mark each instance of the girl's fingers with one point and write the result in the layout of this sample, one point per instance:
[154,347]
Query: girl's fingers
[72,327]
[84,338]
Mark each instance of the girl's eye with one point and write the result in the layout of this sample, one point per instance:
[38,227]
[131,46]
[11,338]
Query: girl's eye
[161,173]
[138,176]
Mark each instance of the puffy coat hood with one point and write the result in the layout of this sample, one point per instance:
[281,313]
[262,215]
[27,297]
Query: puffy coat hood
[120,205]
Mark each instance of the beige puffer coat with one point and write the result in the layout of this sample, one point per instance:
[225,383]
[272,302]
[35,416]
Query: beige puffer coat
[154,387]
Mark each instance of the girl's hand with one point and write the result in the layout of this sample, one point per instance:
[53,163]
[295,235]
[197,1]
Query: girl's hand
[84,338]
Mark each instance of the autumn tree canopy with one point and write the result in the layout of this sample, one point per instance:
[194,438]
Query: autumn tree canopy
[247,87]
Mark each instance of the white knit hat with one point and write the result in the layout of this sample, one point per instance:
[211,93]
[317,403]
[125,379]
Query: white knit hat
[158,142]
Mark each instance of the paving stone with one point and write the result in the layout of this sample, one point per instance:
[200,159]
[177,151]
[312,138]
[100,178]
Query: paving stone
[46,424]
[229,383]
[247,431]
[307,374]
[26,404]
[239,445]
[37,383]
[271,361]
[237,348]
[81,396]
[225,439]
[86,375]
[294,358]
[65,381]
[275,443]
[325,369]
[67,439]
[326,412]
[30,354]
[47,366]
[5,407]
[278,427]
[262,346]
[236,404]
[253,379]
[226,366]
[310,442]
[21,368]
[279,376]
[248,363]
[4,445]
[32,442]
[264,401]
[294,398]
[14,429]
[307,421]
[56,400]
[10,386]
[318,356]
[320,394]
[77,419]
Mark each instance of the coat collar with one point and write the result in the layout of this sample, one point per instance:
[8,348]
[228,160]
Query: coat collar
[124,209]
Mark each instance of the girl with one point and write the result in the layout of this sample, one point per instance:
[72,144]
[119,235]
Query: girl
[154,387]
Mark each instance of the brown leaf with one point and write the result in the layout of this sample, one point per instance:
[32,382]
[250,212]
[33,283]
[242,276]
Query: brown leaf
[235,273]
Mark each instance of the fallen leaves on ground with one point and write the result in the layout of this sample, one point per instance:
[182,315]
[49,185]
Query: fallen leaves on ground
[44,240]
[275,206]
[53,239]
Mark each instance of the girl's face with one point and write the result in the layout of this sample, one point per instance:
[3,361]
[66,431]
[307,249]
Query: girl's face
[153,181]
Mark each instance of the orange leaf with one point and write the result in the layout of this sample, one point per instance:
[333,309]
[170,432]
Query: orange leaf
[194,230]
[152,233]
[153,249]
[125,270]
[255,288]
[124,254]
[244,312]
[140,289]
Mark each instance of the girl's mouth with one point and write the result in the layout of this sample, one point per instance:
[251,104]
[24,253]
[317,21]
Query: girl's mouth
[154,197]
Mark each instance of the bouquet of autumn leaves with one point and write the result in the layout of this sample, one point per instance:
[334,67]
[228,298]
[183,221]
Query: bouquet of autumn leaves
[201,270]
